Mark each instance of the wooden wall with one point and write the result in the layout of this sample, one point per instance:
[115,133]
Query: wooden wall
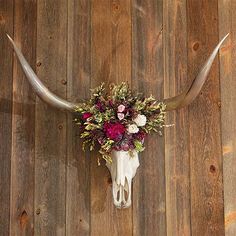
[186,184]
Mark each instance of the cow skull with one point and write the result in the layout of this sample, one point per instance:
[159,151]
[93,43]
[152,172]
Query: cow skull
[123,167]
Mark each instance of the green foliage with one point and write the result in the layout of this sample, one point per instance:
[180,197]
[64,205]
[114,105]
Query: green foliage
[138,146]
[103,106]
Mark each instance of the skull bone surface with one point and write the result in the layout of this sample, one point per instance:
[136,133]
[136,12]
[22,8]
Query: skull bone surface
[123,169]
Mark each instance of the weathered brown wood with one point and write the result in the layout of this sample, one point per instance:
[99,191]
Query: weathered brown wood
[147,76]
[111,62]
[227,24]
[78,80]
[79,44]
[177,137]
[6,63]
[207,213]
[51,127]
[23,146]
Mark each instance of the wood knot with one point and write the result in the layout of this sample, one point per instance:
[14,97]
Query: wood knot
[60,127]
[38,64]
[38,211]
[212,169]
[23,219]
[196,46]
[116,7]
[64,82]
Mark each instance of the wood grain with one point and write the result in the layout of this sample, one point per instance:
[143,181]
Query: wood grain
[6,25]
[48,186]
[227,24]
[111,62]
[51,127]
[23,146]
[207,212]
[176,137]
[78,80]
[147,77]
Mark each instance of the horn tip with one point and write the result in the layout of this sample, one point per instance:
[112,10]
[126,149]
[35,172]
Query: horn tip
[226,36]
[8,36]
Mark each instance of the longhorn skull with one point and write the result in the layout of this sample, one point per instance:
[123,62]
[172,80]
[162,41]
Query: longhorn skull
[123,167]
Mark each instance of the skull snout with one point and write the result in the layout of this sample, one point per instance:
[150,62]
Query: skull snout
[123,169]
[122,195]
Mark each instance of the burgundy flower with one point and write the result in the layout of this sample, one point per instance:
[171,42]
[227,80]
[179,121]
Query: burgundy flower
[140,136]
[125,144]
[100,106]
[130,112]
[86,115]
[114,131]
[111,104]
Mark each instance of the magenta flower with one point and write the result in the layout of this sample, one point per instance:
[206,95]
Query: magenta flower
[114,131]
[86,115]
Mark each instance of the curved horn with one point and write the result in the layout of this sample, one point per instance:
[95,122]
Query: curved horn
[189,94]
[38,86]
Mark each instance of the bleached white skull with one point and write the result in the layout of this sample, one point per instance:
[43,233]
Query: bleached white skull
[123,169]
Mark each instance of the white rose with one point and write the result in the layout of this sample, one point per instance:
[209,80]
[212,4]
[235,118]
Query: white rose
[140,120]
[133,129]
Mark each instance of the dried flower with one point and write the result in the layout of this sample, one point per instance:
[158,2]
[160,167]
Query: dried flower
[114,131]
[120,116]
[86,115]
[133,129]
[115,119]
[140,120]
[121,108]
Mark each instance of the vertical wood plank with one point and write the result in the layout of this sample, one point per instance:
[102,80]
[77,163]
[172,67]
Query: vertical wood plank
[227,24]
[147,76]
[6,63]
[22,171]
[176,137]
[207,213]
[50,161]
[111,62]
[78,80]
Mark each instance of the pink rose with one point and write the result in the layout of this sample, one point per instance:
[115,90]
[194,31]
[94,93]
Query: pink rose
[114,131]
[120,116]
[86,115]
[121,108]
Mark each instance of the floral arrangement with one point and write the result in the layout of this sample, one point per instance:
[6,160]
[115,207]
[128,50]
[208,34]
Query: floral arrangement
[118,119]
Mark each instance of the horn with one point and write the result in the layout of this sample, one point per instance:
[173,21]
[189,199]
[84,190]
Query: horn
[38,86]
[189,94]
